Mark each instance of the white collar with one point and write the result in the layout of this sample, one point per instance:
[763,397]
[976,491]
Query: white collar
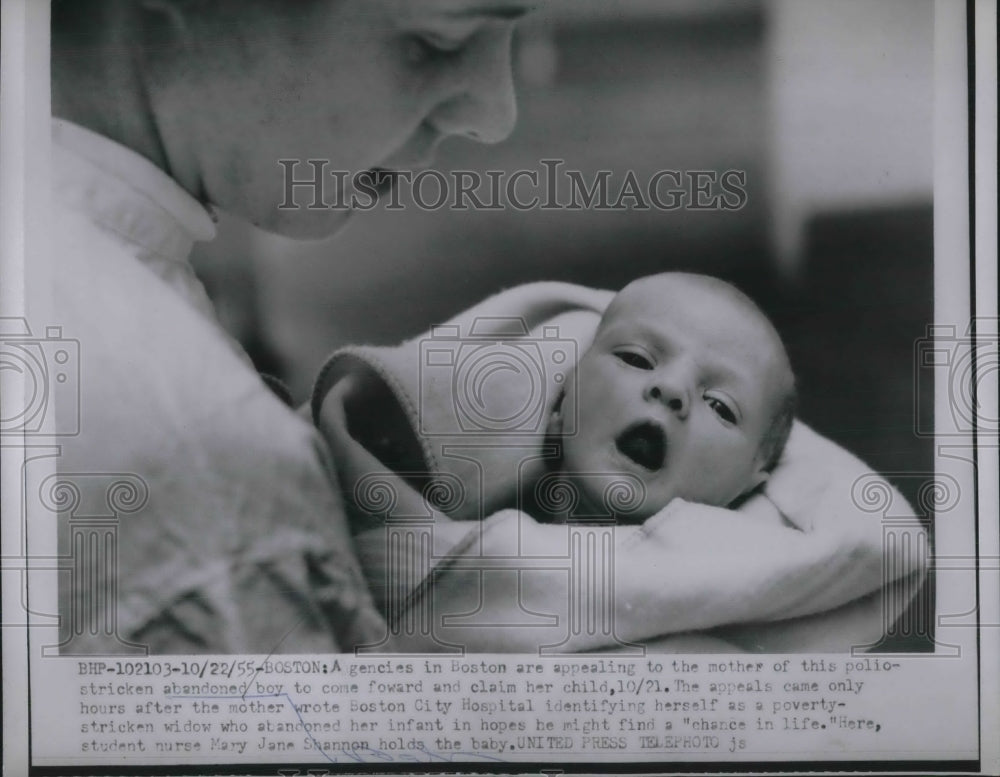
[126,194]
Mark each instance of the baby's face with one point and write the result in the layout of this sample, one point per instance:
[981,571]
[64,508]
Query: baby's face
[678,389]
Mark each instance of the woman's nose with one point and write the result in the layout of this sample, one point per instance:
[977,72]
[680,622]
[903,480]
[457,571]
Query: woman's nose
[486,109]
[669,390]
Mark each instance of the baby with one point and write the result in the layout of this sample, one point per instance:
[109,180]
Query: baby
[686,389]
[682,389]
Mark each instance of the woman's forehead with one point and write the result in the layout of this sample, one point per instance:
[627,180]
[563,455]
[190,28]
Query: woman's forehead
[376,12]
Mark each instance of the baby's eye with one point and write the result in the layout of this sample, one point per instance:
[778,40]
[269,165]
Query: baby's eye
[721,409]
[634,359]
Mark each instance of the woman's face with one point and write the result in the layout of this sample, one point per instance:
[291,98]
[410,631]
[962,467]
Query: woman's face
[359,84]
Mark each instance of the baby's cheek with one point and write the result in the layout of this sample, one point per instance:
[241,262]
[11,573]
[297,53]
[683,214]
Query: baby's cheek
[717,475]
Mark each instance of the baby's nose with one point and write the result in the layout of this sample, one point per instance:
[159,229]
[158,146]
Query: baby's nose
[671,394]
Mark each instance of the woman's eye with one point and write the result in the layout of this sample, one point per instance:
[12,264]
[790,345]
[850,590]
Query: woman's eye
[633,359]
[427,48]
[722,410]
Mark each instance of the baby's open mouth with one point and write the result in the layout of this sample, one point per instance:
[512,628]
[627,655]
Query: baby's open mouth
[644,443]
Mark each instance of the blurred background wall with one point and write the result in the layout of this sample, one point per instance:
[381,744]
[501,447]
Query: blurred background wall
[825,106]
[850,101]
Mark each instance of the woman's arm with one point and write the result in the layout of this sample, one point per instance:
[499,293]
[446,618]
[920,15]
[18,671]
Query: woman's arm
[858,624]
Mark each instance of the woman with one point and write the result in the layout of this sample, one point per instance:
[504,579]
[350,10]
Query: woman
[231,537]
[165,108]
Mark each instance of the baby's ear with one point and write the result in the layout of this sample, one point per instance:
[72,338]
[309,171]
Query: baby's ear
[555,424]
[555,421]
[759,478]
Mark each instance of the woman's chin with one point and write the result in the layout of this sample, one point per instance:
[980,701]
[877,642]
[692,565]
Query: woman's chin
[304,224]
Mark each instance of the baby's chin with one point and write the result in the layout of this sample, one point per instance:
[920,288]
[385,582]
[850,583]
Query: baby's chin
[621,502]
[596,498]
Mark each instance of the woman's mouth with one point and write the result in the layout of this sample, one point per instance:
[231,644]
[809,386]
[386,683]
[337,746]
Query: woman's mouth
[645,443]
[384,179]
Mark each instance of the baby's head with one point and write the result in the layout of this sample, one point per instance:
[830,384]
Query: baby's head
[687,386]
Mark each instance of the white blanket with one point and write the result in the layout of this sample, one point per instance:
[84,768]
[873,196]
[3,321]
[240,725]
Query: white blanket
[800,566]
